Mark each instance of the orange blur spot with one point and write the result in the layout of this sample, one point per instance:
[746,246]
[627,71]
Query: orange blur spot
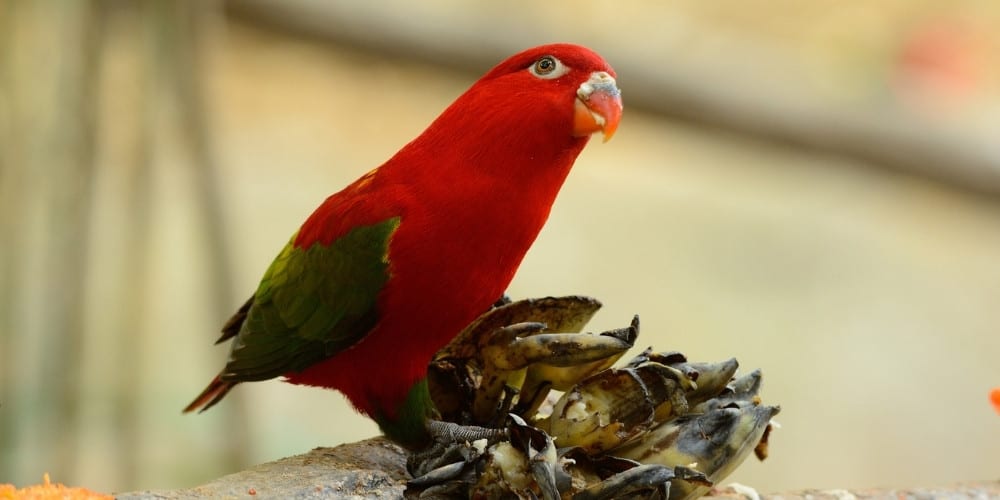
[47,490]
[995,399]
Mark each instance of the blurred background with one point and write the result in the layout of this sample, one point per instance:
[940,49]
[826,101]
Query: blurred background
[811,187]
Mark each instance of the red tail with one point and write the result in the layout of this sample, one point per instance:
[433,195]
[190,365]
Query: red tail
[216,390]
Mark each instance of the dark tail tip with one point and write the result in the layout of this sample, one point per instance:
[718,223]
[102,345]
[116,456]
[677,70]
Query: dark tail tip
[216,390]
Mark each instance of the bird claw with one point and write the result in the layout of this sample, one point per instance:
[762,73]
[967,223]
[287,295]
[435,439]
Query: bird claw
[478,459]
[527,464]
[451,444]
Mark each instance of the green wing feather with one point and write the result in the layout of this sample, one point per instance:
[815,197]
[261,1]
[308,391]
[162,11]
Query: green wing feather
[311,304]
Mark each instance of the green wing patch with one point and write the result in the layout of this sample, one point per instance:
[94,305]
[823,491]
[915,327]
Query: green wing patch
[312,303]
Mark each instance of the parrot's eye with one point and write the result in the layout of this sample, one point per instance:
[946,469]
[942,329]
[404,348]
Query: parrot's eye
[545,66]
[548,67]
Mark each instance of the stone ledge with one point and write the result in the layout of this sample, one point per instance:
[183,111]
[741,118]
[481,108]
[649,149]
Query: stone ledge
[373,468]
[376,468]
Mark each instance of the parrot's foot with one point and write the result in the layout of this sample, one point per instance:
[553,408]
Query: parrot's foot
[452,443]
[467,459]
[450,432]
[484,466]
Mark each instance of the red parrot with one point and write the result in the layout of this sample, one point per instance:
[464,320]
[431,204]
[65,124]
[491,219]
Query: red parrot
[387,271]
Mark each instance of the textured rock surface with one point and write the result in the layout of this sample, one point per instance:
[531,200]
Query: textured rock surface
[376,468]
[985,490]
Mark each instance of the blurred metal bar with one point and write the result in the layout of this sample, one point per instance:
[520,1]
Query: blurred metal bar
[740,94]
[181,44]
[52,51]
[10,250]
[136,197]
[71,185]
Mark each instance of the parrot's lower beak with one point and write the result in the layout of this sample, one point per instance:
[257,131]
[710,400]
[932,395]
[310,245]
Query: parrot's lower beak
[598,106]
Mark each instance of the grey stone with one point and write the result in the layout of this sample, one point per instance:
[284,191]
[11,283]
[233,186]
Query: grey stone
[373,468]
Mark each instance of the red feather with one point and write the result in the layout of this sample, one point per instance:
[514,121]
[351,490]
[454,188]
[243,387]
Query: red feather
[472,192]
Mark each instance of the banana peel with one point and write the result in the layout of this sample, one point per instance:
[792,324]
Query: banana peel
[557,420]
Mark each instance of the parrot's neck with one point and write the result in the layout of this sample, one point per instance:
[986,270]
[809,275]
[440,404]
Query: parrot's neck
[409,425]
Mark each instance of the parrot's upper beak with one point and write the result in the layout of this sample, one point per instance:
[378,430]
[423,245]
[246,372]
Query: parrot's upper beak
[598,106]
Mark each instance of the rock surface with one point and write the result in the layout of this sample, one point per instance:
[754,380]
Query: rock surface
[373,468]
[376,468]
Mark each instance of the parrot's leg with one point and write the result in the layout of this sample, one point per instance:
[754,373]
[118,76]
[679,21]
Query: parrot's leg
[451,432]
[451,443]
[455,461]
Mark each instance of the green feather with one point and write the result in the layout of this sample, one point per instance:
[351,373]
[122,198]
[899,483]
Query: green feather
[410,427]
[312,303]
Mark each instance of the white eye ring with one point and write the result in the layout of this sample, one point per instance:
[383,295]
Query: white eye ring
[548,68]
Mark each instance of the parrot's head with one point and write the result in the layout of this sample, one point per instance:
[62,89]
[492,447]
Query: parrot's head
[566,88]
[525,120]
[537,108]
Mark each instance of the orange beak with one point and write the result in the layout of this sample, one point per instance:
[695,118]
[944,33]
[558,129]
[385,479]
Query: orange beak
[598,106]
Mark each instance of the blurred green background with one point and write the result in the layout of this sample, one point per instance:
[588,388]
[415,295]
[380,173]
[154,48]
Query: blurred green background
[811,187]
